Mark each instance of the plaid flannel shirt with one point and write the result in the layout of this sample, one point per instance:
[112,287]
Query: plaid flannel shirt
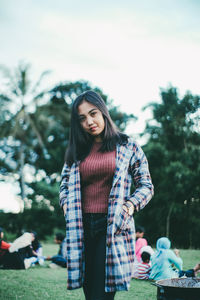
[131,165]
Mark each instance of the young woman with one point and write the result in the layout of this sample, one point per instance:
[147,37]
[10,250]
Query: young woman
[100,165]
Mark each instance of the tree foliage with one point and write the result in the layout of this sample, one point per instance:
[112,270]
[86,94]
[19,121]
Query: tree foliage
[20,134]
[173,151]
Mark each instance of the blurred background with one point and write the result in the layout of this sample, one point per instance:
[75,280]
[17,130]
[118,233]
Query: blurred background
[143,58]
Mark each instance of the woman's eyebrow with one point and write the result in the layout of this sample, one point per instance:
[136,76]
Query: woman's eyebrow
[93,109]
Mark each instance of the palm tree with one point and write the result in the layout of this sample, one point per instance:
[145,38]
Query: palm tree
[19,99]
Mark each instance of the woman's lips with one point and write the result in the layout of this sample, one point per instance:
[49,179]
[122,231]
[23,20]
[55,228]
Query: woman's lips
[93,128]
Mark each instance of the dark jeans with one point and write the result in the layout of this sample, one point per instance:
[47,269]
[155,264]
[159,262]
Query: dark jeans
[13,261]
[59,260]
[188,273]
[95,255]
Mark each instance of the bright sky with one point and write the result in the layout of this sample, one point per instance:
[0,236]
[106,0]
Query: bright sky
[130,49]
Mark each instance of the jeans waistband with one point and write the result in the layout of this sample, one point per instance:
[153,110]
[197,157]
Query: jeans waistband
[94,223]
[94,215]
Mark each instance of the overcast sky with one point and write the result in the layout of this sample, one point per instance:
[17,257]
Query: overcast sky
[130,49]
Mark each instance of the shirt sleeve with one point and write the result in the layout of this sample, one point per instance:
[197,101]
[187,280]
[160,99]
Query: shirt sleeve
[5,245]
[139,169]
[64,191]
[173,259]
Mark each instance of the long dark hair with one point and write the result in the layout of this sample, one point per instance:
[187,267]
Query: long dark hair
[80,141]
[1,230]
[35,243]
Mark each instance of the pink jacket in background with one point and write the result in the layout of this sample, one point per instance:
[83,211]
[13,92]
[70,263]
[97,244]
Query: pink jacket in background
[141,242]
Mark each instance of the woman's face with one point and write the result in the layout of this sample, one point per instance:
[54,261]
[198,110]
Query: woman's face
[91,119]
[139,234]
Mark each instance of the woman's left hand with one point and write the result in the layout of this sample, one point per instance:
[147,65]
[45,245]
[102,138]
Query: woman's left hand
[129,208]
[123,220]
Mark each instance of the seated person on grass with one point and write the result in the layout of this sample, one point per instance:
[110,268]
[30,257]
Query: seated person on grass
[59,259]
[12,255]
[167,264]
[34,251]
[143,268]
[140,242]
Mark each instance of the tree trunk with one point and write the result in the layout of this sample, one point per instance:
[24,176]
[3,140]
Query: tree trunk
[21,174]
[39,137]
[189,226]
[168,220]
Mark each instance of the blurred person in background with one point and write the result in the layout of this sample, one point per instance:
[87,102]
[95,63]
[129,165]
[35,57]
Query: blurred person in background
[167,264]
[37,250]
[140,242]
[12,255]
[144,267]
[59,260]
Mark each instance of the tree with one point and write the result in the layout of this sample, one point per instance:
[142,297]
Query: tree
[19,99]
[174,155]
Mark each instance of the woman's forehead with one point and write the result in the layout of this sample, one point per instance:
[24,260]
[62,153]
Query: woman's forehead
[86,107]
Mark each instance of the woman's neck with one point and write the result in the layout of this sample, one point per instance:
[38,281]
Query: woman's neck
[98,139]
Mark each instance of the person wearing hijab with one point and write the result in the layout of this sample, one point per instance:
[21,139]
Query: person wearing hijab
[164,261]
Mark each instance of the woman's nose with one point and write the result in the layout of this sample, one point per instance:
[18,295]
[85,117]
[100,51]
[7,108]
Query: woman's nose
[89,121]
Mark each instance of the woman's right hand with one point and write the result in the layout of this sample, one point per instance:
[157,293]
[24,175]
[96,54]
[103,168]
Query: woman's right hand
[64,209]
[176,251]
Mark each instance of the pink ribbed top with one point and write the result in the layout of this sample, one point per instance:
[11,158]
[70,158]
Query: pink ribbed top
[97,172]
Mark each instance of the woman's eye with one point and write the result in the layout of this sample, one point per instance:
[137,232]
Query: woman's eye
[81,119]
[93,113]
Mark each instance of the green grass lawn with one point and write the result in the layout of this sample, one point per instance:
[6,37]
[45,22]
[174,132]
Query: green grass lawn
[41,283]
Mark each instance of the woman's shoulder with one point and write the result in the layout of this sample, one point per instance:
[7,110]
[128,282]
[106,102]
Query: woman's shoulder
[129,141]
[133,145]
[170,254]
